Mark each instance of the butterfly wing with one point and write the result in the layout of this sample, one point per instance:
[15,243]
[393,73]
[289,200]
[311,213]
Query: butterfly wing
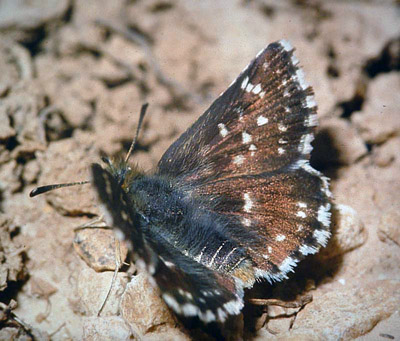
[262,122]
[289,210]
[250,152]
[188,288]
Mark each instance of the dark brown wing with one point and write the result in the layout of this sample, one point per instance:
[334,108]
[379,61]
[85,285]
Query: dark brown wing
[250,153]
[289,211]
[262,122]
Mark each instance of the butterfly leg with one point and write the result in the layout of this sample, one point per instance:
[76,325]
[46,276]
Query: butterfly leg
[96,222]
[118,264]
[299,303]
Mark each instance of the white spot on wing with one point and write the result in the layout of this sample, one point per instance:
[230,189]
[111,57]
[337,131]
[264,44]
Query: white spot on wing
[172,303]
[286,45]
[222,130]
[261,120]
[311,121]
[281,127]
[310,102]
[281,151]
[207,317]
[305,146]
[286,93]
[221,314]
[188,295]
[301,214]
[324,215]
[269,276]
[302,204]
[248,203]
[287,265]
[257,89]
[300,78]
[190,309]
[294,59]
[238,159]
[246,222]
[246,137]
[321,236]
[169,264]
[249,87]
[252,147]
[307,250]
[233,307]
[280,238]
[244,83]
[282,141]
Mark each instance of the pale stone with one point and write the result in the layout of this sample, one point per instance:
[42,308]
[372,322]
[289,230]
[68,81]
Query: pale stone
[98,248]
[142,307]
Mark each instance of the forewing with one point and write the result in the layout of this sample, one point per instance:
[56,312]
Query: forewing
[117,211]
[187,287]
[250,154]
[262,122]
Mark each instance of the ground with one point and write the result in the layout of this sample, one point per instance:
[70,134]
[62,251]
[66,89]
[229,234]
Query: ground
[74,75]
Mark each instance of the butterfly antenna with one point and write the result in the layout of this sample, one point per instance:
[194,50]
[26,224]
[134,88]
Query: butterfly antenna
[47,188]
[133,144]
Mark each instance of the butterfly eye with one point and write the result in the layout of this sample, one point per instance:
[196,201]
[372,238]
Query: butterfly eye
[106,160]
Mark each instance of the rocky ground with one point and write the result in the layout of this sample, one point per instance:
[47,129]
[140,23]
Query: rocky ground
[74,75]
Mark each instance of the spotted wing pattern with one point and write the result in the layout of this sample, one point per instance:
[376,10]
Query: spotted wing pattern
[237,196]
[262,122]
[250,153]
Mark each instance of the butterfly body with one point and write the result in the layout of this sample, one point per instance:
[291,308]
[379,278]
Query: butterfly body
[186,222]
[233,200]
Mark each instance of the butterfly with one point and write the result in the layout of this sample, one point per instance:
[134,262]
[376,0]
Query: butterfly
[233,200]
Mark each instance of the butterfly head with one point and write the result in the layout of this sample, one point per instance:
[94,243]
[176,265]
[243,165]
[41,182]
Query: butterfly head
[123,172]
